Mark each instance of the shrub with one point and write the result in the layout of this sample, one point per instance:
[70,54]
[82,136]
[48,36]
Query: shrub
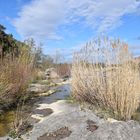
[104,73]
[63,69]
[38,75]
[15,75]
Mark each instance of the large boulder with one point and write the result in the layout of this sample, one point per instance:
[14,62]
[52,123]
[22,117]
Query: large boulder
[51,73]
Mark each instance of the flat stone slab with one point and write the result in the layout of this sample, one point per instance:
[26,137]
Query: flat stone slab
[83,124]
[117,131]
[64,115]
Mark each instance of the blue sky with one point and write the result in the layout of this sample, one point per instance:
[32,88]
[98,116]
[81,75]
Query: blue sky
[67,24]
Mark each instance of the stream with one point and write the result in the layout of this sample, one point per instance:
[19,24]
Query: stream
[62,93]
[7,118]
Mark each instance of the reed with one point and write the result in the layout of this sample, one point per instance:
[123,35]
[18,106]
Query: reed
[105,73]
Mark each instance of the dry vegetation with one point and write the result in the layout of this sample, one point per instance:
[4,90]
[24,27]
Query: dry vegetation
[15,75]
[104,73]
[63,69]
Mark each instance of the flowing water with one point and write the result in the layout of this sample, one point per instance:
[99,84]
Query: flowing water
[62,93]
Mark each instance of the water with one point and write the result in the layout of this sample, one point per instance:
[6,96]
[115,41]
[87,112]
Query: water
[62,93]
[6,120]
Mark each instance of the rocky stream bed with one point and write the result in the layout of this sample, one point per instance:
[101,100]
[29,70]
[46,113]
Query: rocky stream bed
[54,118]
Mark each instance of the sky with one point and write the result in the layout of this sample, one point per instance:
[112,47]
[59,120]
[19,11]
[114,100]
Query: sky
[65,25]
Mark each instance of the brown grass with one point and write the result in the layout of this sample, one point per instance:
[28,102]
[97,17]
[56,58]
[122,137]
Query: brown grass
[15,75]
[63,69]
[104,73]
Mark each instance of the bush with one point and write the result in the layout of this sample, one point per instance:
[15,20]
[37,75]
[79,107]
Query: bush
[38,75]
[15,75]
[63,69]
[104,73]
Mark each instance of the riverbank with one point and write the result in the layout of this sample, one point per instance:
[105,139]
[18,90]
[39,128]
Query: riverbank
[41,91]
[72,123]
[57,118]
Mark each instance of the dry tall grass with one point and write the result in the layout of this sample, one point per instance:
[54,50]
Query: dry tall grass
[105,73]
[15,75]
[63,69]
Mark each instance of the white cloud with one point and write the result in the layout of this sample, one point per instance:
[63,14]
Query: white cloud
[103,15]
[41,18]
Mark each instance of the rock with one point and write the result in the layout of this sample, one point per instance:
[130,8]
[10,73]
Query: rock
[117,131]
[32,120]
[84,124]
[65,78]
[38,88]
[111,120]
[56,135]
[43,112]
[91,125]
[47,93]
[51,73]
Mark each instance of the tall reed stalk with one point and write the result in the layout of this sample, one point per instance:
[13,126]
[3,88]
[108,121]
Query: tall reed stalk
[104,73]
